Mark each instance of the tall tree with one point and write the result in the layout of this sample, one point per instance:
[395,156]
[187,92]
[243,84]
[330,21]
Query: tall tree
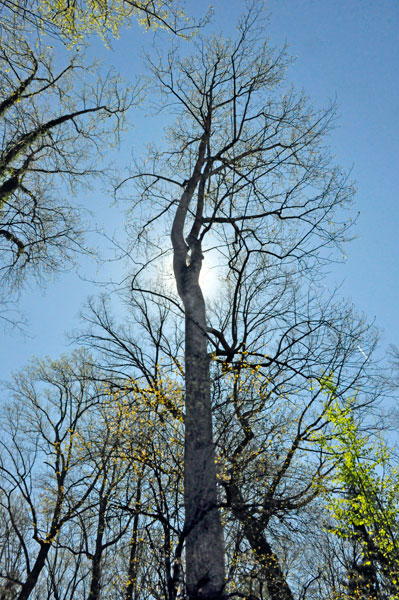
[257,186]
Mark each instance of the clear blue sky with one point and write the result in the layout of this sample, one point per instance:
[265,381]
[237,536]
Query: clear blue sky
[348,49]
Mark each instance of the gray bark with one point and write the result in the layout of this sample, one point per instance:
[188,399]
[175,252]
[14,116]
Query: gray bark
[205,571]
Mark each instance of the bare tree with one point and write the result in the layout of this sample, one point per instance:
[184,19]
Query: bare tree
[143,367]
[42,471]
[11,554]
[259,198]
[93,464]
[257,193]
[270,465]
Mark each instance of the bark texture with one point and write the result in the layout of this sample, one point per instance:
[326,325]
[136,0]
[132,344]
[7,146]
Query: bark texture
[205,572]
[95,584]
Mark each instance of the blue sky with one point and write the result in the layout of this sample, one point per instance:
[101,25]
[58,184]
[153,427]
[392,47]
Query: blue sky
[347,50]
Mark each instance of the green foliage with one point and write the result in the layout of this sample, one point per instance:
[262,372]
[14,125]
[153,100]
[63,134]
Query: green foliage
[366,508]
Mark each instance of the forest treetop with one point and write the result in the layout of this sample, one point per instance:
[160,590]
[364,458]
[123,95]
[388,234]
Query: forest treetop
[75,21]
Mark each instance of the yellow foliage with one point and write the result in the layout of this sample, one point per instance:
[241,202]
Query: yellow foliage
[75,20]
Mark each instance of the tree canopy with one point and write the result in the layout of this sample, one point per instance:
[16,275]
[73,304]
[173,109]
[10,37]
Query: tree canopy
[75,21]
[55,123]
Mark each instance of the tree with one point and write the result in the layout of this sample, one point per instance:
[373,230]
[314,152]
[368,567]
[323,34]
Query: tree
[268,462]
[11,555]
[89,473]
[256,189]
[41,472]
[74,21]
[147,378]
[53,124]
[364,507]
[272,473]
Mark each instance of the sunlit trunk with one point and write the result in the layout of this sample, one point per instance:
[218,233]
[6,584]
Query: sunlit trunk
[204,543]
[205,572]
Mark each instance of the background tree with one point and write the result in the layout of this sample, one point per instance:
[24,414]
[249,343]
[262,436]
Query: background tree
[41,472]
[11,555]
[74,22]
[364,507]
[53,123]
[146,357]
[90,473]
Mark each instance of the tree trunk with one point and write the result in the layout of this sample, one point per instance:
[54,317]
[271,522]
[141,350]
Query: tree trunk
[95,584]
[132,568]
[276,582]
[204,542]
[33,576]
[205,572]
[45,545]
